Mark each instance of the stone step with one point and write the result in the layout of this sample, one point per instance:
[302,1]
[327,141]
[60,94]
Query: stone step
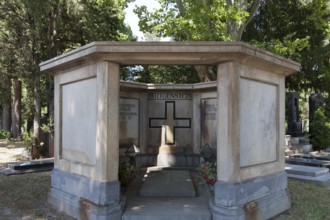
[172,211]
[307,162]
[27,167]
[168,183]
[43,163]
[168,208]
[323,180]
[306,170]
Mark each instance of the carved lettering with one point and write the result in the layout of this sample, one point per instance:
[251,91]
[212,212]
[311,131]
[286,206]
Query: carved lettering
[127,111]
[169,96]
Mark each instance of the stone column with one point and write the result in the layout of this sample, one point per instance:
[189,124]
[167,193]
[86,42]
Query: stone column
[85,178]
[228,122]
[250,123]
[107,132]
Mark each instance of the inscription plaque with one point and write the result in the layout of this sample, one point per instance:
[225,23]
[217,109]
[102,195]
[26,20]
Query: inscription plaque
[128,121]
[209,121]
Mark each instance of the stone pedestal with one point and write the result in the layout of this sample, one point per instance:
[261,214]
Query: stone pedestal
[85,178]
[250,164]
[258,198]
[83,198]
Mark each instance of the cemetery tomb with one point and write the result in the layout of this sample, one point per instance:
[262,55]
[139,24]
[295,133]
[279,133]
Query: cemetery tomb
[240,118]
[161,120]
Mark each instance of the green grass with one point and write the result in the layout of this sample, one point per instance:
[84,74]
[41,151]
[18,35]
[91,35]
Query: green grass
[25,197]
[308,202]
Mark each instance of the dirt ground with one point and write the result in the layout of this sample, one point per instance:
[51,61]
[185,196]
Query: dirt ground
[24,196]
[11,151]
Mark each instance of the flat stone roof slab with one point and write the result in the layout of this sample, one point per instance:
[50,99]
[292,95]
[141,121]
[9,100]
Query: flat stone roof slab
[174,53]
[168,183]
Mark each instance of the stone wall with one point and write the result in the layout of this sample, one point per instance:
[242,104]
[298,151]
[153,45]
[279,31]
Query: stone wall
[179,118]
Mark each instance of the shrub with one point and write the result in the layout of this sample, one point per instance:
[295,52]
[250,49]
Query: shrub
[4,134]
[320,130]
[209,172]
[127,172]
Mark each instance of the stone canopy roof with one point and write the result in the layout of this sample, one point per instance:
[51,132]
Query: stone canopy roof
[172,53]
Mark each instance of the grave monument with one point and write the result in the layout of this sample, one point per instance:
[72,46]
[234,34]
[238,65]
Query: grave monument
[294,122]
[241,115]
[315,101]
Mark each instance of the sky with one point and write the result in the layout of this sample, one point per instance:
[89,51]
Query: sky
[132,19]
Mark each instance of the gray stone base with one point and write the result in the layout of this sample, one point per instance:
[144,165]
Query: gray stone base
[258,198]
[82,198]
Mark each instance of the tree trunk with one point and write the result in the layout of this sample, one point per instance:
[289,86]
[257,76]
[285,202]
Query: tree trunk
[6,107]
[16,109]
[36,119]
[51,134]
[203,73]
[6,119]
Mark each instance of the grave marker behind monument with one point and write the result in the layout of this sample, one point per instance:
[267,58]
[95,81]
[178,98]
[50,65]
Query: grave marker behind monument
[294,123]
[315,101]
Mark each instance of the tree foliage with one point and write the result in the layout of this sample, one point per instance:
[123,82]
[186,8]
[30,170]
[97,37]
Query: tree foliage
[217,20]
[33,31]
[198,20]
[299,30]
[320,130]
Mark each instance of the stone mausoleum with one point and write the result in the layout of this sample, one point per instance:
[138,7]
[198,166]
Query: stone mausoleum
[240,117]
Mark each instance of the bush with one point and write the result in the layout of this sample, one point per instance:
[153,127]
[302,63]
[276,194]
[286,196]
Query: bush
[127,172]
[4,134]
[209,172]
[320,130]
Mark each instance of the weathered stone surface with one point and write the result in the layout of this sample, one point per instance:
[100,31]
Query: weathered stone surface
[183,208]
[262,197]
[305,170]
[168,183]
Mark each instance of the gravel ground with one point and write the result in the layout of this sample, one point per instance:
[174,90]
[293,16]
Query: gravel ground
[11,151]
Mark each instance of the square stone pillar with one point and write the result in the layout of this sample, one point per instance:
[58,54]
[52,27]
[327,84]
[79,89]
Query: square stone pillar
[250,145]
[85,178]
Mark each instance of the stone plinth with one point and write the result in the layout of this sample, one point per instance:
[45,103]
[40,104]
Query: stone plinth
[249,123]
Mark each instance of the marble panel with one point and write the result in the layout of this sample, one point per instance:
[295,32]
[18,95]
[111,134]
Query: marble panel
[78,118]
[258,122]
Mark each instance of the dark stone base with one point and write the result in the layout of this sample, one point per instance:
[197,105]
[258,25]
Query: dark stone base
[258,198]
[83,198]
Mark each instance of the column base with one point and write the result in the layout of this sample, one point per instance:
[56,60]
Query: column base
[258,198]
[82,198]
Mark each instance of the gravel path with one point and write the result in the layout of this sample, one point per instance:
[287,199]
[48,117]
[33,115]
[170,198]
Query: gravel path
[12,151]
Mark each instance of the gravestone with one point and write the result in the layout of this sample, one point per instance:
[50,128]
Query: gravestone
[315,101]
[170,126]
[294,123]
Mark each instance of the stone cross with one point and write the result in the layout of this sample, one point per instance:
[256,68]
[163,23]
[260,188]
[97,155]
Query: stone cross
[169,123]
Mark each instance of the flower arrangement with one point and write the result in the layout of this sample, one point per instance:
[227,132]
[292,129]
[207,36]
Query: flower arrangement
[127,172]
[209,172]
